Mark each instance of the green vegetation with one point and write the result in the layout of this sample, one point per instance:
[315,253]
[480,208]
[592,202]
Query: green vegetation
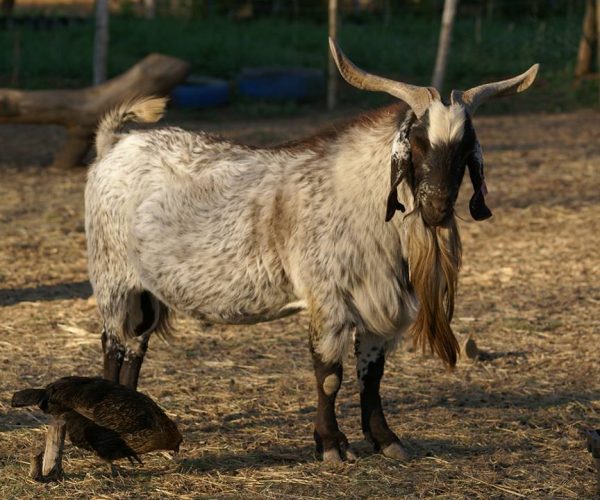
[405,48]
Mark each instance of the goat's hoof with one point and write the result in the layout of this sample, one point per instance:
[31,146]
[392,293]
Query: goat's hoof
[339,452]
[335,456]
[332,456]
[350,455]
[396,451]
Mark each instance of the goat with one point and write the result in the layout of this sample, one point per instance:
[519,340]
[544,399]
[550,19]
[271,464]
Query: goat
[227,233]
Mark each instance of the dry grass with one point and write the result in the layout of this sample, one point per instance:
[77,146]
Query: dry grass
[507,427]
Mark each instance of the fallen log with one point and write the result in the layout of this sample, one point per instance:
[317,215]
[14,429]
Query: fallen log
[80,110]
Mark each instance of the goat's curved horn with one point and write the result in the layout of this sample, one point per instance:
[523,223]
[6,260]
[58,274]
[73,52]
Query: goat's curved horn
[418,98]
[471,99]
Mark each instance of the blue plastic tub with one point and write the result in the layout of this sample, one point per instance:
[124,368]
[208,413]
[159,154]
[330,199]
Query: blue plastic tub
[200,92]
[280,84]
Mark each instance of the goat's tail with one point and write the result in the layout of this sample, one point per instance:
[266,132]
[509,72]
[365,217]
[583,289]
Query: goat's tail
[143,110]
[28,397]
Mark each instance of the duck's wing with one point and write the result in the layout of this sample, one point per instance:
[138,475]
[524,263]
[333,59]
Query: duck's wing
[105,403]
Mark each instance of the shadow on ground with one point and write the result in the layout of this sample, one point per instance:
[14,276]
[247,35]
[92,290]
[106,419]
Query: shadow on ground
[15,420]
[60,291]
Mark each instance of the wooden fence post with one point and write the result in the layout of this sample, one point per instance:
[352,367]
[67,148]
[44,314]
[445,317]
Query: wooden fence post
[441,60]
[586,44]
[149,9]
[101,41]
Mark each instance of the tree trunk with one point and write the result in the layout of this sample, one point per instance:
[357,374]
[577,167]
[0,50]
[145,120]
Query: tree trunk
[101,41]
[441,60]
[79,110]
[586,45]
[332,81]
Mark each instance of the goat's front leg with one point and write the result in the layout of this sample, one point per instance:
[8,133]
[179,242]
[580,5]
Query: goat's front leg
[370,361]
[331,443]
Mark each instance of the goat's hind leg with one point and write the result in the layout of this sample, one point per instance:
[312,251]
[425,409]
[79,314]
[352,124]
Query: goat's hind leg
[143,317]
[130,317]
[111,291]
[122,363]
[114,353]
[146,314]
[370,361]
[133,359]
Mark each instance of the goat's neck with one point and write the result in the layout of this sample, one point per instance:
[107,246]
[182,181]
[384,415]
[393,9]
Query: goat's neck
[362,157]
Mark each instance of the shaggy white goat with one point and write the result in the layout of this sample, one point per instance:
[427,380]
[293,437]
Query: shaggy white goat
[232,234]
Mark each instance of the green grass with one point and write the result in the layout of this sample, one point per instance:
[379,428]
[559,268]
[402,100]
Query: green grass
[403,49]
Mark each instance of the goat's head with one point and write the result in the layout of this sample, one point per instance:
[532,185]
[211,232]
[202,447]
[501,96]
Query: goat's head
[435,142]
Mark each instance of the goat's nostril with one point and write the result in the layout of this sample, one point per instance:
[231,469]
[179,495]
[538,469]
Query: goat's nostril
[436,211]
[439,206]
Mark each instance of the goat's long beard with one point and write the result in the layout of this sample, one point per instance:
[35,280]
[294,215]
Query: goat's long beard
[434,258]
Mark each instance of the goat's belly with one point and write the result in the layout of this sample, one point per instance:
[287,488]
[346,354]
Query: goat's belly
[248,316]
[219,289]
[230,302]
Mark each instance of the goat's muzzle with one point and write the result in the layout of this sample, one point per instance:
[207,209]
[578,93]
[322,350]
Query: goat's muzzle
[437,212]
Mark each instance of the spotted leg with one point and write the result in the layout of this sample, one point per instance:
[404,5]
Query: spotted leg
[331,443]
[123,361]
[114,352]
[370,361]
[133,359]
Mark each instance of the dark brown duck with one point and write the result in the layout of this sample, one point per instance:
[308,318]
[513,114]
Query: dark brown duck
[101,416]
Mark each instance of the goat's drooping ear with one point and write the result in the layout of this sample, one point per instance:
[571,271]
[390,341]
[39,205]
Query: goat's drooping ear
[400,163]
[477,206]
[471,99]
[418,98]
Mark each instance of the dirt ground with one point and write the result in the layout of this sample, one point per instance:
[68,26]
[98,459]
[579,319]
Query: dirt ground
[506,427]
